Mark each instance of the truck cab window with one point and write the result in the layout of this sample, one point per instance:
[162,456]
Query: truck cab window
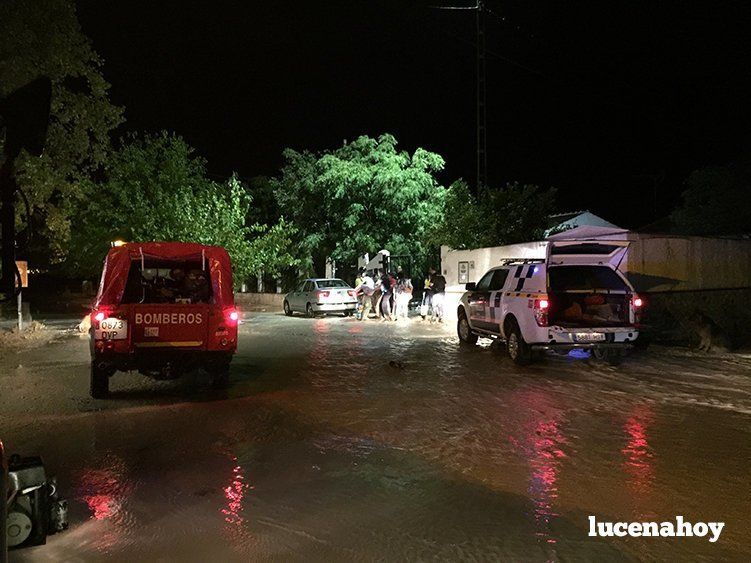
[498,280]
[484,283]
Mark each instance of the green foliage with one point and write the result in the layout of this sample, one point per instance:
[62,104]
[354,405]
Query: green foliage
[156,189]
[270,250]
[265,208]
[716,201]
[461,219]
[515,213]
[43,38]
[360,197]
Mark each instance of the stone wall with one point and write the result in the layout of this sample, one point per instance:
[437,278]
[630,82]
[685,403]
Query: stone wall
[270,301]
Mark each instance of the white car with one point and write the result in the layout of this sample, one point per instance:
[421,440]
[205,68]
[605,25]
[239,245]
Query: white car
[321,295]
[575,298]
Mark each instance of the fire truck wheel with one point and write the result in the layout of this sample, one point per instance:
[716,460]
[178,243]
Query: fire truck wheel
[220,375]
[100,381]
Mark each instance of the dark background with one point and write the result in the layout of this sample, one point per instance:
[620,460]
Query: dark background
[612,103]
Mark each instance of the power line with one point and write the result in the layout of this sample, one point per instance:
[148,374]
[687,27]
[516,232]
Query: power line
[482,153]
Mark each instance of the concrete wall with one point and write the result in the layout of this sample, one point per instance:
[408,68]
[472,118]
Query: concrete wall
[661,263]
[654,263]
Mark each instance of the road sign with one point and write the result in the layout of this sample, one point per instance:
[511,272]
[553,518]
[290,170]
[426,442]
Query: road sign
[23,269]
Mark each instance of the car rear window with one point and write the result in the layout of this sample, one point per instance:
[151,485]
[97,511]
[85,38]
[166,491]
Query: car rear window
[581,278]
[325,284]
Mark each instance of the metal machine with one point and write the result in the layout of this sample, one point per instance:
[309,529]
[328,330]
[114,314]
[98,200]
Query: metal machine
[34,509]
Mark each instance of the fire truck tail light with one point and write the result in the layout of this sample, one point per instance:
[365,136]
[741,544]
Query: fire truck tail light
[543,304]
[232,316]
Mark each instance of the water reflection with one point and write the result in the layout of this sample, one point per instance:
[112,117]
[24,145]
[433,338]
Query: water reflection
[104,488]
[233,508]
[234,493]
[543,485]
[542,446]
[638,456]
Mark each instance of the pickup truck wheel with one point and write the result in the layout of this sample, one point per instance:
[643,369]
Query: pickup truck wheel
[287,308]
[100,381]
[466,336]
[612,357]
[518,350]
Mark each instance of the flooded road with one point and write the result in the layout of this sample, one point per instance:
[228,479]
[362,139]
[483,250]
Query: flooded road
[340,440]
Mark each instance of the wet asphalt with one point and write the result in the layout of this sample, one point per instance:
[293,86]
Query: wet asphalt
[347,440]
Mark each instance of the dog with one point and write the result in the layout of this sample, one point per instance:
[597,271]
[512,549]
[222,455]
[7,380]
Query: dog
[711,336]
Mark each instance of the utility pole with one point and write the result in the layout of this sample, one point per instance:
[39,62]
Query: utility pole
[482,153]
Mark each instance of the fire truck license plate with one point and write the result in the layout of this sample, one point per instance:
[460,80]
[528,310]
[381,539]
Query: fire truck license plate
[589,337]
[112,329]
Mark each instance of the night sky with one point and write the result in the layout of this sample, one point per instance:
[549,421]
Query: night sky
[602,100]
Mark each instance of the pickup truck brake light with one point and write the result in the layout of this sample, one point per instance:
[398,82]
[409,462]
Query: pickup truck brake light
[540,308]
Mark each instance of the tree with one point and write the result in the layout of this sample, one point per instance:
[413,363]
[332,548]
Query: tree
[271,249]
[515,213]
[361,197]
[44,38]
[460,219]
[716,201]
[156,189]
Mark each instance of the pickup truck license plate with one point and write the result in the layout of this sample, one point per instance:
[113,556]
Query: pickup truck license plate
[589,337]
[112,329]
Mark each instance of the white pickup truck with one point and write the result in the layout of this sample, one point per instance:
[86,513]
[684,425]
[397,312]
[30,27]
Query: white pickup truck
[575,298]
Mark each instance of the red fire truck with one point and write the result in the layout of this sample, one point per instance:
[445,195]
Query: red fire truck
[163,308]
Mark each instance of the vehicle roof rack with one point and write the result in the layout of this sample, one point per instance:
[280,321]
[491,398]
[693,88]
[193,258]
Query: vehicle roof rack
[509,261]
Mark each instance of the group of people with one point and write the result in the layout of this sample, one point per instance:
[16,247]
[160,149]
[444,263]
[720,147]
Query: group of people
[191,286]
[388,295]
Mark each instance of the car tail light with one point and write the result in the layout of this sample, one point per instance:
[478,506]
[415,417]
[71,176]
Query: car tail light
[99,316]
[323,294]
[637,301]
[232,316]
[541,307]
[351,292]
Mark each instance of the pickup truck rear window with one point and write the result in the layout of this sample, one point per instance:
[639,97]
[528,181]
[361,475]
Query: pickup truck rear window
[584,278]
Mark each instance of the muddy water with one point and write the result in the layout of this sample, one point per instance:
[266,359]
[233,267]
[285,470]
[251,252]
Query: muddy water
[341,440]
